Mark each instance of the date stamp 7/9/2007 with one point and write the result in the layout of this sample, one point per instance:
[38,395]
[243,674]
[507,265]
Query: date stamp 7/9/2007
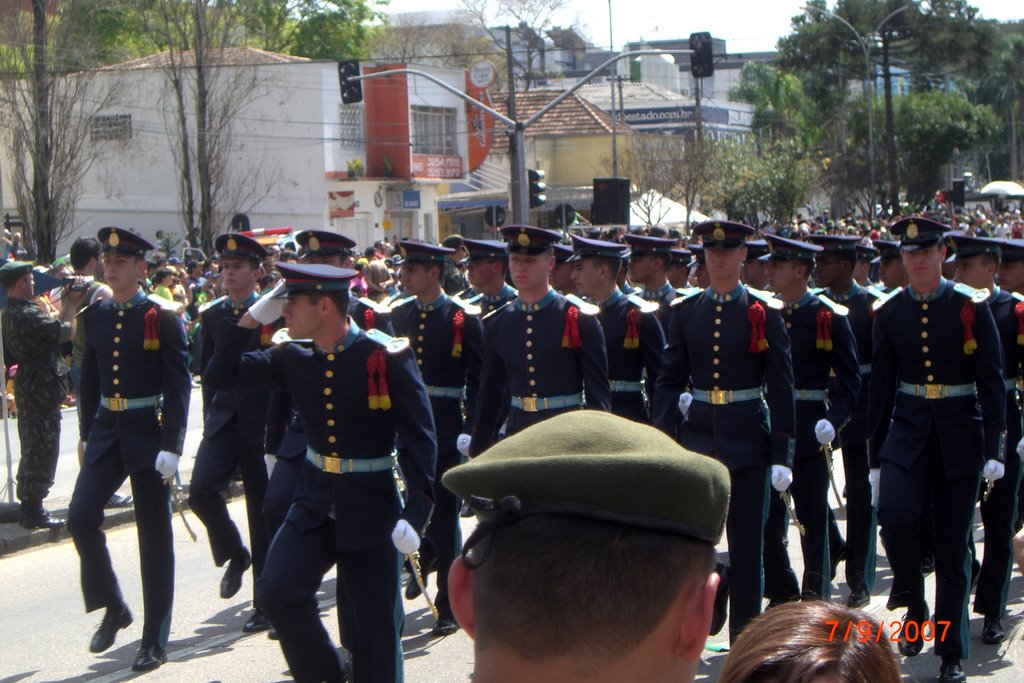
[898,631]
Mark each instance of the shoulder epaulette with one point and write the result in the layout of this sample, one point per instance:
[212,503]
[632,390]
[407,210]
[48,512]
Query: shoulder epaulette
[401,302]
[585,308]
[838,309]
[975,295]
[886,298]
[91,306]
[391,344]
[766,298]
[498,309]
[875,292]
[164,303]
[1018,296]
[210,304]
[374,306]
[471,300]
[816,291]
[685,295]
[282,337]
[468,307]
[643,304]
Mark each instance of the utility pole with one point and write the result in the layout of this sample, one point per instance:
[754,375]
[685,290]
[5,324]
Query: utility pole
[516,145]
[890,133]
[611,81]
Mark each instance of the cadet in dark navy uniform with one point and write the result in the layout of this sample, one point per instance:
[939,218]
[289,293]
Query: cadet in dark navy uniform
[865,257]
[727,352]
[1011,279]
[234,426]
[936,419]
[891,273]
[833,270]
[487,271]
[447,337]
[547,350]
[648,267]
[699,268]
[754,273]
[133,407]
[561,274]
[679,268]
[821,343]
[633,336]
[356,392]
[977,260]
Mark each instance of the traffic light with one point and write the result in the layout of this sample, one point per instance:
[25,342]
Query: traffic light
[351,91]
[701,64]
[537,187]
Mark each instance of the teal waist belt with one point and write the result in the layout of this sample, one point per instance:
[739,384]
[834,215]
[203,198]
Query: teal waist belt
[338,465]
[720,397]
[118,405]
[933,391]
[623,385]
[533,404]
[810,394]
[444,392]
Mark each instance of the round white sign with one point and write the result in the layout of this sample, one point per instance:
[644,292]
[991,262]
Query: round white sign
[482,74]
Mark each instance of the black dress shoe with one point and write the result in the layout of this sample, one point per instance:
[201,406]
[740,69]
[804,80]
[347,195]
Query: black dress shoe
[445,626]
[836,557]
[119,501]
[272,633]
[256,622]
[906,647]
[35,516]
[718,612]
[232,581]
[412,589]
[114,620]
[927,564]
[992,632]
[858,598]
[950,671]
[149,658]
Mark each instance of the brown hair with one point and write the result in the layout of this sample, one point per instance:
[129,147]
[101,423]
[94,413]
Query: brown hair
[800,641]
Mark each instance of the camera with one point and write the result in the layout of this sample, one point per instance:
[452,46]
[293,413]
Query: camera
[78,284]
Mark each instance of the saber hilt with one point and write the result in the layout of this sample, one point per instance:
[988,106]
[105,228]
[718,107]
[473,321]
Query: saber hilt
[826,448]
[788,500]
[417,573]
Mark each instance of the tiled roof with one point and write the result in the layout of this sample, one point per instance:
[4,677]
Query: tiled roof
[573,116]
[600,93]
[230,56]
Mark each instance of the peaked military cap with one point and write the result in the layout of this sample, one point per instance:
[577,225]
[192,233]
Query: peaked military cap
[563,252]
[584,247]
[966,246]
[785,249]
[756,249]
[527,239]
[415,251]
[1013,250]
[866,253]
[600,466]
[918,232]
[699,258]
[486,250]
[836,244]
[314,277]
[121,241]
[239,246]
[644,245]
[723,234]
[12,270]
[681,257]
[324,243]
[887,249]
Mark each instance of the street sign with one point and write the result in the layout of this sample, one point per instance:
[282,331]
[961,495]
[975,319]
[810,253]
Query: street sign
[494,216]
[482,74]
[563,215]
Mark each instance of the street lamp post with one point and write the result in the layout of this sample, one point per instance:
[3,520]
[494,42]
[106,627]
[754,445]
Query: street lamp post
[869,83]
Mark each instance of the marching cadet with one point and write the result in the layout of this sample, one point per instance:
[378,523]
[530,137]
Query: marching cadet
[865,257]
[355,392]
[891,273]
[977,259]
[936,417]
[1011,279]
[134,404]
[234,425]
[561,275]
[679,268]
[754,273]
[544,349]
[632,334]
[699,268]
[833,270]
[727,352]
[487,270]
[648,264]
[821,343]
[447,337]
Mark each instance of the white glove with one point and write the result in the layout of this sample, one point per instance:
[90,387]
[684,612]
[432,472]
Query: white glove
[405,538]
[1020,449]
[271,460]
[267,308]
[685,399]
[993,470]
[824,432]
[166,464]
[782,477]
[462,444]
[874,479]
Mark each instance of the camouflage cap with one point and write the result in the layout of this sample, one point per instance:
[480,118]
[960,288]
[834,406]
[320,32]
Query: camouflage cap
[600,466]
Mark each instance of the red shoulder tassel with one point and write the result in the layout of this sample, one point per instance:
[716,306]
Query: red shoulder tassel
[458,325]
[632,340]
[571,333]
[757,318]
[377,383]
[967,318]
[151,338]
[1019,310]
[369,319]
[266,334]
[824,341]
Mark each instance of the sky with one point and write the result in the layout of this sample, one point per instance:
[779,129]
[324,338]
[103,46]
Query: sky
[746,25]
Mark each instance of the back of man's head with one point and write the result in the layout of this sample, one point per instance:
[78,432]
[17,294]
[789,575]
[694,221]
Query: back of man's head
[83,250]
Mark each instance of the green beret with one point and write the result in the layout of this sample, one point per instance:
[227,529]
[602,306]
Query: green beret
[597,465]
[12,270]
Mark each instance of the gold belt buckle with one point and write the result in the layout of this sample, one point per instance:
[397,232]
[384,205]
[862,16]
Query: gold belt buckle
[332,465]
[529,404]
[117,405]
[933,391]
[718,397]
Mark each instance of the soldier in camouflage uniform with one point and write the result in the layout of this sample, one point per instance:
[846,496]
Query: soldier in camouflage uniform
[33,337]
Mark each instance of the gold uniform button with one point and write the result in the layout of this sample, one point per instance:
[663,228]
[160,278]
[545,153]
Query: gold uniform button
[419,338]
[332,439]
[118,326]
[529,356]
[924,307]
[931,378]
[717,334]
[117,381]
[419,349]
[115,368]
[532,369]
[716,388]
[715,348]
[924,335]
[419,361]
[117,340]
[116,354]
[925,349]
[423,315]
[330,423]
[117,395]
[529,318]
[789,325]
[924,320]
[927,363]
[120,314]
[422,326]
[327,391]
[329,373]
[330,356]
[529,330]
[718,321]
[529,343]
[728,297]
[716,374]
[718,309]
[329,406]
[533,382]
[715,361]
